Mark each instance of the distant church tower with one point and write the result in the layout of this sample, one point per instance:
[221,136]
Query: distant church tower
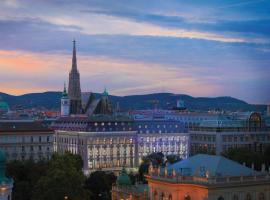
[74,88]
[65,103]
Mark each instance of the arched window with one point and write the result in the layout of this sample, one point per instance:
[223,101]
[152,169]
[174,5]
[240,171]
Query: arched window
[220,198]
[261,196]
[187,197]
[248,197]
[255,121]
[235,197]
[170,197]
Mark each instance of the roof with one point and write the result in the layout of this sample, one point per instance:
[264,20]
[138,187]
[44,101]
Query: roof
[221,121]
[202,164]
[14,126]
[123,178]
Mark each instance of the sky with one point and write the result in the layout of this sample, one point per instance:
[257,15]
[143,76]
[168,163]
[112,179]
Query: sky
[200,48]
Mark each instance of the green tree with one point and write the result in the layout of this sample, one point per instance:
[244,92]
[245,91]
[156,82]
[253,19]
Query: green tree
[100,184]
[64,179]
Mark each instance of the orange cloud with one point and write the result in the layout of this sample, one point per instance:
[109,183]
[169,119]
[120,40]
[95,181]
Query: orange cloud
[23,72]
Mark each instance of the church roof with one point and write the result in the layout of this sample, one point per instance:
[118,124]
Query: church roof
[219,166]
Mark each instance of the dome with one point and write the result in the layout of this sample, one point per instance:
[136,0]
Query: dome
[123,178]
[3,105]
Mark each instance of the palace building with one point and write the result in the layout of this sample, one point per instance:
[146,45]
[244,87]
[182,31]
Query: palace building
[111,142]
[207,177]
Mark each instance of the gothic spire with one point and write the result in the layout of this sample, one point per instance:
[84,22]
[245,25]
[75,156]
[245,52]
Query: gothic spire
[74,59]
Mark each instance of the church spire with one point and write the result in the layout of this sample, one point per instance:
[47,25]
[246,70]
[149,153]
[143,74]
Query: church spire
[74,58]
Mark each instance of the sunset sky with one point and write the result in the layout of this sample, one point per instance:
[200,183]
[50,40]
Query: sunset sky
[199,48]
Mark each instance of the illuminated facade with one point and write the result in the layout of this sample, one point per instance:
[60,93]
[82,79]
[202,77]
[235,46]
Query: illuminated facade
[205,177]
[110,143]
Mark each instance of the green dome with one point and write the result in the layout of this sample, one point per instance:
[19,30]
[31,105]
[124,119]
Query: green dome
[123,178]
[3,105]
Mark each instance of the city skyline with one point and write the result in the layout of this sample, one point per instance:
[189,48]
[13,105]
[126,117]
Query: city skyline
[210,49]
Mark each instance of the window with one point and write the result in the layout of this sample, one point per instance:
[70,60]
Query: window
[220,198]
[235,197]
[39,138]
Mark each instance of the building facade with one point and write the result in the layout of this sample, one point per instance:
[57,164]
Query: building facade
[222,133]
[109,143]
[205,177]
[25,139]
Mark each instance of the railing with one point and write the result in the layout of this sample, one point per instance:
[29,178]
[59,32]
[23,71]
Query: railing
[208,180]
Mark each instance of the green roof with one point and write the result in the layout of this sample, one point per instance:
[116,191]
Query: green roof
[123,178]
[64,94]
[105,93]
[3,105]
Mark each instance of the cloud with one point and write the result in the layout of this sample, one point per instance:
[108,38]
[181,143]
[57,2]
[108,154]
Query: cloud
[23,72]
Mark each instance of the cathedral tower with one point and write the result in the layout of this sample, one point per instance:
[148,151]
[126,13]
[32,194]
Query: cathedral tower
[74,88]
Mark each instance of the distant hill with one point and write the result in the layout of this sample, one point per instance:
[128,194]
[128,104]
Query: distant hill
[51,100]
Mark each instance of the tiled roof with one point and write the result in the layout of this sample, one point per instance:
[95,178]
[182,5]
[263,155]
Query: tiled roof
[10,126]
[217,166]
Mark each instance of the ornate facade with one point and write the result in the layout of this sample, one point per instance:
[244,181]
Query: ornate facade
[205,177]
[110,143]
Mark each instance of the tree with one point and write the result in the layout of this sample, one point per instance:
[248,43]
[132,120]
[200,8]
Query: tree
[100,184]
[64,179]
[157,159]
[245,155]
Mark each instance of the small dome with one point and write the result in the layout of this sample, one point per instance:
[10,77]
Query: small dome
[3,105]
[123,178]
